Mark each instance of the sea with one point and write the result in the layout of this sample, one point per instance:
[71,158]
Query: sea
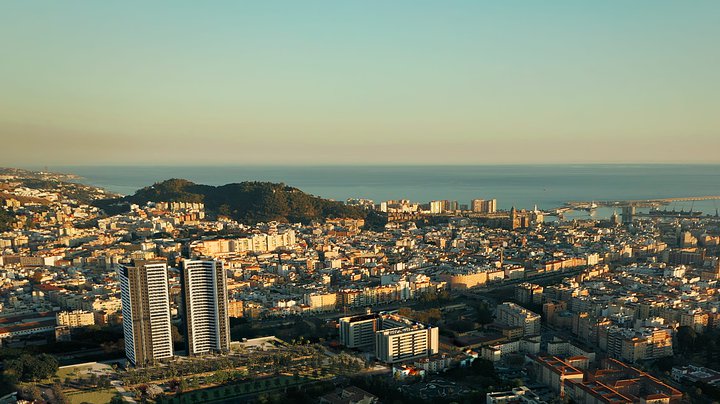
[522,186]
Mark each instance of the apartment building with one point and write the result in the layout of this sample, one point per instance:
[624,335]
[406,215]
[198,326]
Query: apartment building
[406,343]
[205,307]
[76,318]
[514,315]
[146,311]
[359,331]
[529,293]
[393,338]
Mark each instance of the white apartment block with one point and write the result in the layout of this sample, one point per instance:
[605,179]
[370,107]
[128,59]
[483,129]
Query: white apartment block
[205,303]
[406,343]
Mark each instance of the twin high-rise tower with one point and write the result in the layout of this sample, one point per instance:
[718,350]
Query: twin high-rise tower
[146,309]
[204,286]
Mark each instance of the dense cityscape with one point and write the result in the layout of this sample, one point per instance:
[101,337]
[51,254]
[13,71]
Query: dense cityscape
[359,202]
[406,301]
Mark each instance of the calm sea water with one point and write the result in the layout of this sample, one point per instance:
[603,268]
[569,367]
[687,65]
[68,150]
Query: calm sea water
[522,186]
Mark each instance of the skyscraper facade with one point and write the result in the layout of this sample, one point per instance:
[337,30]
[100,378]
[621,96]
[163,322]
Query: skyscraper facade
[205,307]
[146,311]
[483,206]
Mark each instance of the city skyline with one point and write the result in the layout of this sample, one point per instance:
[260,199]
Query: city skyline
[359,83]
[360,202]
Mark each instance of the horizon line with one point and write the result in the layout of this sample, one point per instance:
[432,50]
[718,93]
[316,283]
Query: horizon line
[37,167]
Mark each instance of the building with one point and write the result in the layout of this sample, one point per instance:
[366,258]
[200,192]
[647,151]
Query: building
[253,243]
[517,395]
[77,318]
[435,363]
[205,303]
[392,337]
[617,382]
[555,373]
[628,214]
[26,329]
[359,331]
[513,315]
[529,293]
[483,206]
[348,395]
[632,346]
[406,343]
[464,278]
[321,301]
[695,374]
[235,308]
[436,207]
[146,311]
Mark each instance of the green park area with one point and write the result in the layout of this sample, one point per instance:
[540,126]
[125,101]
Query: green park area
[96,396]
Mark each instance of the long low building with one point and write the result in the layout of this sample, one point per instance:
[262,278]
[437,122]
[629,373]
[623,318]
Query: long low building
[25,329]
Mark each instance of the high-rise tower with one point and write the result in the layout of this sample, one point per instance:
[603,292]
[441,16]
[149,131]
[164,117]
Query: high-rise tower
[146,311]
[205,303]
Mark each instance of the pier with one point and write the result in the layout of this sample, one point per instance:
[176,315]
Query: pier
[639,203]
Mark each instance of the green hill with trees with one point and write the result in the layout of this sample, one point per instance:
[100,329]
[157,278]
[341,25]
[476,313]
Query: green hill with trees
[246,202]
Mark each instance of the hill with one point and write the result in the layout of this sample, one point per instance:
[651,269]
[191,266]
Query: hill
[246,202]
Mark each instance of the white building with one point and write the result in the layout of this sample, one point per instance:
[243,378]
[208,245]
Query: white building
[205,303]
[406,343]
[436,207]
[517,395]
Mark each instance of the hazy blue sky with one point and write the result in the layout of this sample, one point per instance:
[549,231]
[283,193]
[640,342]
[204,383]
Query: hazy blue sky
[199,82]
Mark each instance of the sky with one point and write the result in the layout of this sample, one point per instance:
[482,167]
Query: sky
[359,82]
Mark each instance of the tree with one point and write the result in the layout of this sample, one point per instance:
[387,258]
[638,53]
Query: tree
[484,314]
[93,380]
[665,364]
[32,368]
[31,393]
[36,278]
[182,385]
[483,367]
[60,397]
[686,337]
[175,334]
[6,220]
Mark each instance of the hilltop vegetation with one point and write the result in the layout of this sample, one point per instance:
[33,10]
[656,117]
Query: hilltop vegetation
[246,202]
